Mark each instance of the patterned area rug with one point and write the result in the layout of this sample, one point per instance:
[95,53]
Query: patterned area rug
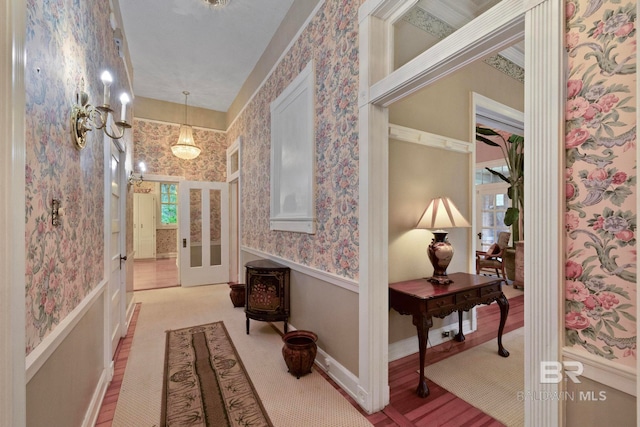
[205,383]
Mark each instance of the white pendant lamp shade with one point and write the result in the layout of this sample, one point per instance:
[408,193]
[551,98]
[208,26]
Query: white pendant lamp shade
[185,148]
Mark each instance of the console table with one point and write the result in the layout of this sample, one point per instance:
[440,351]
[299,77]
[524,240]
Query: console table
[425,300]
[267,292]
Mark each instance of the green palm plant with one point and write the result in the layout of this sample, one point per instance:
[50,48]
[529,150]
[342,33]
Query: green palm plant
[513,152]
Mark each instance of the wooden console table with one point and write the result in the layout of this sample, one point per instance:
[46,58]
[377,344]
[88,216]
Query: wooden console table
[424,300]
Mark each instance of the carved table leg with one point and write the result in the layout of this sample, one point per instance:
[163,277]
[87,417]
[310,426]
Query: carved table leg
[504,310]
[247,325]
[422,325]
[459,336]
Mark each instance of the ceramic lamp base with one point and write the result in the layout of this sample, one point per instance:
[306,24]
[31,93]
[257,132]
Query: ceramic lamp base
[439,280]
[440,253]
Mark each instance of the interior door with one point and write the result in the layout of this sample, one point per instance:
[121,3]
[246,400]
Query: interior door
[203,217]
[144,225]
[116,292]
[491,206]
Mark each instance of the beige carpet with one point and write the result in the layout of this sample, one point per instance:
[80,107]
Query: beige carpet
[487,381]
[511,292]
[289,402]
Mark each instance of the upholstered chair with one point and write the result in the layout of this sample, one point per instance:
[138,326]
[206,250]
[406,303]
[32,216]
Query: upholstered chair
[493,259]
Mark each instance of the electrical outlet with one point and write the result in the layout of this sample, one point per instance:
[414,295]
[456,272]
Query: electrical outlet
[445,334]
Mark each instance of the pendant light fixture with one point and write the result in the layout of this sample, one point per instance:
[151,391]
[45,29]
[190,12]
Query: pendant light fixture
[185,148]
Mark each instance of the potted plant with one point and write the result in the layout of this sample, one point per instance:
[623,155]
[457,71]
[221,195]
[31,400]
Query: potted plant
[513,152]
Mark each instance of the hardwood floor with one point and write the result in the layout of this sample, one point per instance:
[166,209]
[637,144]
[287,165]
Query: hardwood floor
[155,274]
[108,407]
[405,409]
[441,408]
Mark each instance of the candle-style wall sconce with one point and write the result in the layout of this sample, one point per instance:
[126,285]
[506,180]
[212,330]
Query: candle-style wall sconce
[55,212]
[86,117]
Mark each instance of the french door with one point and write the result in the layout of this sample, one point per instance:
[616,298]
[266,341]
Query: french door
[203,217]
[491,205]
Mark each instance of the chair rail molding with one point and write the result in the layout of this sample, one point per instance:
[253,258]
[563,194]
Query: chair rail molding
[334,279]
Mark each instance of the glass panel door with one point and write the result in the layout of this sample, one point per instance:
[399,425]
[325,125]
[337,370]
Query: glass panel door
[204,232]
[195,227]
[491,207]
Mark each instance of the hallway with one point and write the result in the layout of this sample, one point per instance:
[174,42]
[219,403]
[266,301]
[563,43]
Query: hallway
[155,274]
[405,408]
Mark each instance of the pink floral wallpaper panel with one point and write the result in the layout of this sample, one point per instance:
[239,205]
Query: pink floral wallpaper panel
[68,45]
[166,241]
[331,42]
[600,286]
[152,145]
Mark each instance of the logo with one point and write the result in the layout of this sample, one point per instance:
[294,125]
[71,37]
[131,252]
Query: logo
[552,372]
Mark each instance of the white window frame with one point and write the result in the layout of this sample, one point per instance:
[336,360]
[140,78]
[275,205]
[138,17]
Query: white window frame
[159,223]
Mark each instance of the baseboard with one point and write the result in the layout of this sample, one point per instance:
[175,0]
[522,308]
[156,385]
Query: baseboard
[91,416]
[130,310]
[167,255]
[599,369]
[345,379]
[408,346]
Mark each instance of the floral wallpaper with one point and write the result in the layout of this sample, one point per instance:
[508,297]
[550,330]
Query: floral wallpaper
[331,41]
[152,145]
[600,287]
[166,241]
[68,44]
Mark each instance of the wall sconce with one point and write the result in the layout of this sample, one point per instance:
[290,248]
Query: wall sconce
[85,117]
[137,178]
[56,212]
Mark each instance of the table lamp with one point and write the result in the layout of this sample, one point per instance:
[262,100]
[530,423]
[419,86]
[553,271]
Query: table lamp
[441,213]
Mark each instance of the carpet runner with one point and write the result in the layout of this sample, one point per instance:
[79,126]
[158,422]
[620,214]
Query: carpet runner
[205,383]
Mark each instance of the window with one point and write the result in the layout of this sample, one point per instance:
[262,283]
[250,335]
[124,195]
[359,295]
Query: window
[168,204]
[483,176]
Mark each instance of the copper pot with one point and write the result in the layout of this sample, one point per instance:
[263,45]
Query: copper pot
[299,351]
[237,294]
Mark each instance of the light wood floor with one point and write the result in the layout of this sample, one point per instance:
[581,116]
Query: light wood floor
[155,274]
[405,409]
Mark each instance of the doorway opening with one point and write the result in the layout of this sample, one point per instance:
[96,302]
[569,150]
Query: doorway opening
[155,230]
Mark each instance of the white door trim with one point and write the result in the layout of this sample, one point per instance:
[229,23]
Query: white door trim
[205,273]
[235,176]
[637,380]
[109,145]
[543,129]
[12,194]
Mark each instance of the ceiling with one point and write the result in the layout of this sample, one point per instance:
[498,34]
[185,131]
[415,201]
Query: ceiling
[458,13]
[178,45]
